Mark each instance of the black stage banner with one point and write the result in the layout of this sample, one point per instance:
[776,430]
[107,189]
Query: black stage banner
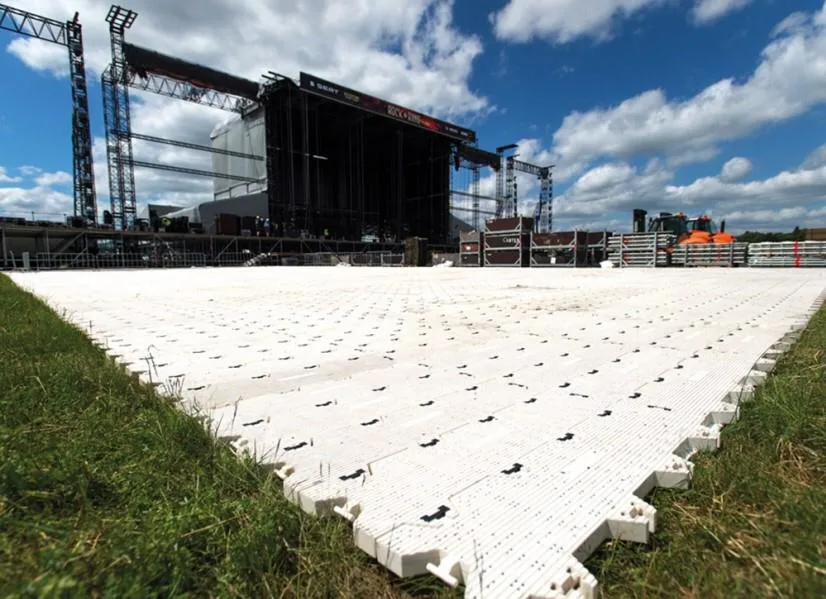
[348,96]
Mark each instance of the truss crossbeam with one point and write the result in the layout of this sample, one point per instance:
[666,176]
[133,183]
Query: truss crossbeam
[191,146]
[182,90]
[192,171]
[32,25]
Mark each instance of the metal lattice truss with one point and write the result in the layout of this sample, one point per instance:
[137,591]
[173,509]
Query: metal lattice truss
[31,25]
[190,171]
[118,78]
[68,34]
[118,124]
[544,208]
[182,90]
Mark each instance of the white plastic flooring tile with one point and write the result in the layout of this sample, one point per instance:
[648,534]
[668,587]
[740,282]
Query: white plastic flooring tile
[489,426]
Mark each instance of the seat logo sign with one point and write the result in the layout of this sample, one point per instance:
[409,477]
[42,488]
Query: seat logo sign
[325,88]
[411,117]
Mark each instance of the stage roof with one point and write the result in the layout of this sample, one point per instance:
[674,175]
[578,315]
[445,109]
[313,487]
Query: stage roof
[144,61]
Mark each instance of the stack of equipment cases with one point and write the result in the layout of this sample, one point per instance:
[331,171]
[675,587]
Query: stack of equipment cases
[470,248]
[249,225]
[180,224]
[227,224]
[567,248]
[415,251]
[507,241]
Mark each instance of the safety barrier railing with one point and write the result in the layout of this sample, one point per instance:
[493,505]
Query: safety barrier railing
[329,259]
[710,254]
[640,249]
[794,254]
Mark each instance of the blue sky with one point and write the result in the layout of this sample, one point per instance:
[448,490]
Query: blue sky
[609,91]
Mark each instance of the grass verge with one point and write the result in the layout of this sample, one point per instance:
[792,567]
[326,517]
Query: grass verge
[753,523]
[106,489]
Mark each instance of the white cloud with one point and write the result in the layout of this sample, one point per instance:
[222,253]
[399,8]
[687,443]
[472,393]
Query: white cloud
[6,178]
[706,11]
[735,169]
[604,194]
[409,52]
[790,24]
[613,188]
[52,179]
[787,189]
[562,21]
[816,159]
[789,81]
[40,202]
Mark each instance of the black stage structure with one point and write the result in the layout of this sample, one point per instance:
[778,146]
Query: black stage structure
[340,163]
[351,164]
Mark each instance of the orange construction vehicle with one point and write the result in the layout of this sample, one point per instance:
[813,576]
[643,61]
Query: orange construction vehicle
[700,229]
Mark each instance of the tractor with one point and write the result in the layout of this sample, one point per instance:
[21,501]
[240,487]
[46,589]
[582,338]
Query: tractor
[696,230]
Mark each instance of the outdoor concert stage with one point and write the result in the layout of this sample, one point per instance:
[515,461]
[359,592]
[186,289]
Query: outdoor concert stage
[337,160]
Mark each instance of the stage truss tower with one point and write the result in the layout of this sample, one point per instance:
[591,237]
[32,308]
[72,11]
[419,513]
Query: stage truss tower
[116,114]
[116,81]
[70,35]
[544,208]
[469,158]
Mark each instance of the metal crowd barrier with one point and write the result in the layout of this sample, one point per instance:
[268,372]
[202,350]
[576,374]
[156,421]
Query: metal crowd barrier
[640,249]
[710,254]
[795,254]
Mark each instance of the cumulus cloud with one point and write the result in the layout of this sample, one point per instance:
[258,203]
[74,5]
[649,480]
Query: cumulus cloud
[795,197]
[612,188]
[35,198]
[706,11]
[735,169]
[53,179]
[6,178]
[409,52]
[816,159]
[788,82]
[562,21]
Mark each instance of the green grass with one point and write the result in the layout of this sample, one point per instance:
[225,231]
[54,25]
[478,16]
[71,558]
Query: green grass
[106,489]
[753,523]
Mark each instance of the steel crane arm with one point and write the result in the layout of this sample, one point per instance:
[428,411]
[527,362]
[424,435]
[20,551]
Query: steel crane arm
[32,25]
